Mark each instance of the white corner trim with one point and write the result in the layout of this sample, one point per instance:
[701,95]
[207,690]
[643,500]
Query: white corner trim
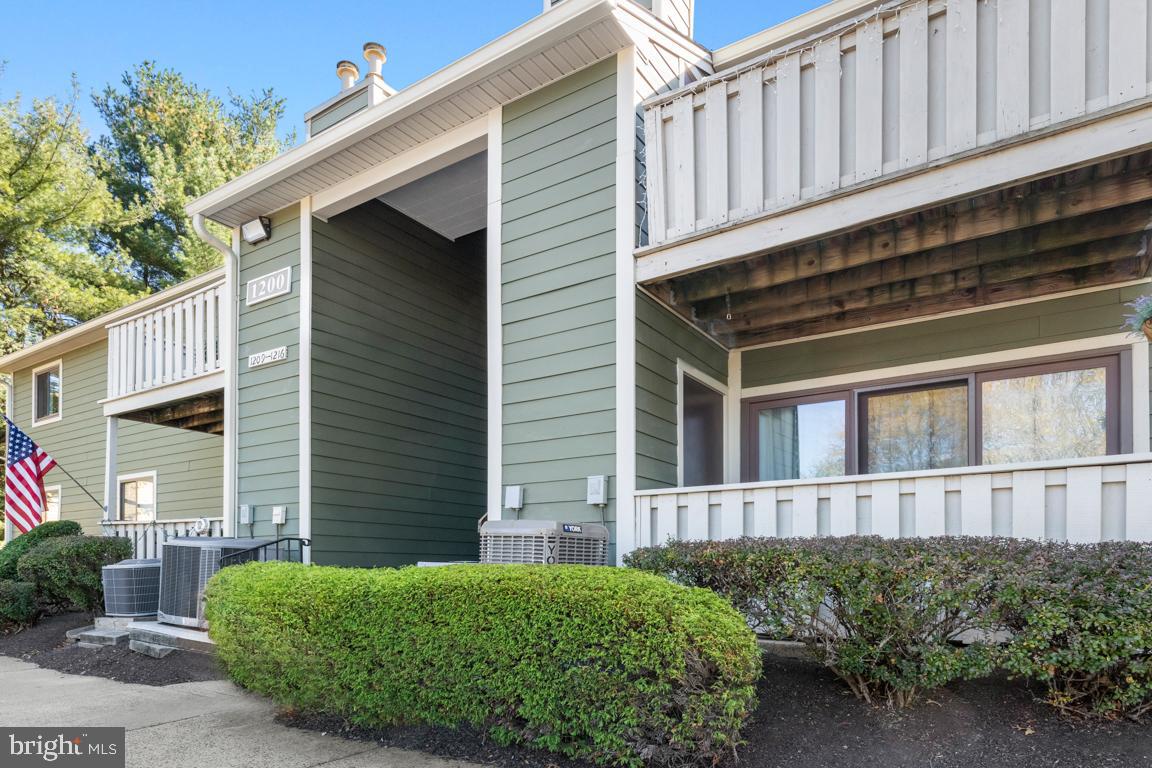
[148,474]
[304,376]
[733,445]
[684,368]
[494,319]
[58,364]
[626,106]
[111,458]
[10,412]
[1141,402]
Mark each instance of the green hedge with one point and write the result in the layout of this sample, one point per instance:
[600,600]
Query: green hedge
[17,604]
[11,552]
[66,571]
[607,664]
[1082,623]
[888,616]
[882,614]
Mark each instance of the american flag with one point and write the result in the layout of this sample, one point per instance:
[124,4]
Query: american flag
[24,480]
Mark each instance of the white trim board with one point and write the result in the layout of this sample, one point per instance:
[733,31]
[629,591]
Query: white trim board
[304,379]
[1140,374]
[494,319]
[684,368]
[625,306]
[58,364]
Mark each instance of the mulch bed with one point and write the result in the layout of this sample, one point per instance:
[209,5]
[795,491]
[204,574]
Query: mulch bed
[45,645]
[807,718]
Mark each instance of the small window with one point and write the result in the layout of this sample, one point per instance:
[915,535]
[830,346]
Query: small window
[47,386]
[137,503]
[800,438]
[51,503]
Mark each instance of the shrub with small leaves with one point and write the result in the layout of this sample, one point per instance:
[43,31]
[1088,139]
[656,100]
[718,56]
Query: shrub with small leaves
[884,614]
[606,664]
[1081,618]
[66,571]
[17,605]
[11,552]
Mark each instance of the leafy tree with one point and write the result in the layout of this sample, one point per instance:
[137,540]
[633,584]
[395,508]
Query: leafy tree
[51,203]
[169,142]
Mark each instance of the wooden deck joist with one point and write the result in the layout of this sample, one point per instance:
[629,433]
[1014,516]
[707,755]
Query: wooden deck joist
[1081,228]
[202,414]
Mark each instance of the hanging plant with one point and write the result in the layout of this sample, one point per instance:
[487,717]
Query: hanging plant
[1140,321]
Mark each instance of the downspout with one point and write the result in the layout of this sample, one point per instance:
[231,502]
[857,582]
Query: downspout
[228,349]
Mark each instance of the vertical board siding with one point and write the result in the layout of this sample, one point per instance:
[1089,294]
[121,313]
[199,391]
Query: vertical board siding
[899,86]
[1026,325]
[188,464]
[558,293]
[398,391]
[267,403]
[662,339]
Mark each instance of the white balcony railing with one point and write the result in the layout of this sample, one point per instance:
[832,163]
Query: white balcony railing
[148,538]
[900,86]
[172,343]
[1084,500]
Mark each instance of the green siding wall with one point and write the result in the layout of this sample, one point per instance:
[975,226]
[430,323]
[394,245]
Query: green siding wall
[399,391]
[1044,322]
[558,293]
[188,465]
[661,339]
[267,408]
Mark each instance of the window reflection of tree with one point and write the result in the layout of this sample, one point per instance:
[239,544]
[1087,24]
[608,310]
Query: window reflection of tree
[917,429]
[1048,416]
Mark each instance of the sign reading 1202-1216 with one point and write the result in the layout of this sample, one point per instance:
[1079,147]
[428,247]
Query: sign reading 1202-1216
[268,356]
[269,286]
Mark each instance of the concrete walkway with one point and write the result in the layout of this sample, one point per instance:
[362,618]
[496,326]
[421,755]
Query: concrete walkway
[188,725]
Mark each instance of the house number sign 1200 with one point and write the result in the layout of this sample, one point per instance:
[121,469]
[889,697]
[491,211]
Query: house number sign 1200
[268,286]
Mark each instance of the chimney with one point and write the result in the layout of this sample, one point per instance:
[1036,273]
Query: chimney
[375,55]
[355,94]
[348,73]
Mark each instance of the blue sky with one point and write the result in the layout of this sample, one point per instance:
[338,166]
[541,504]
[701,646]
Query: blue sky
[292,45]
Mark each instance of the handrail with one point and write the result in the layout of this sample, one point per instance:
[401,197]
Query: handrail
[250,554]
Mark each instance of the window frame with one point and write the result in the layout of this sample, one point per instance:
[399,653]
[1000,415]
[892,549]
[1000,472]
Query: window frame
[1119,402]
[750,414]
[58,365]
[58,489]
[684,368]
[128,478]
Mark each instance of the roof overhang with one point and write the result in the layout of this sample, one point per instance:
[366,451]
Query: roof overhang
[564,39]
[96,329]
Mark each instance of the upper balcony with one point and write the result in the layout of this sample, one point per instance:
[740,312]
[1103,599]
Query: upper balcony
[165,362]
[884,112]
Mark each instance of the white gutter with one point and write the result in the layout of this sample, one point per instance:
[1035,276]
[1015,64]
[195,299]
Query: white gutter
[229,342]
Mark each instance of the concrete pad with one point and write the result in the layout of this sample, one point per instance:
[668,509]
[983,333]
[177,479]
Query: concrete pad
[188,725]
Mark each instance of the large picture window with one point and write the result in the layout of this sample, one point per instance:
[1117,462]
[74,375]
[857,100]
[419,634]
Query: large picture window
[1062,409]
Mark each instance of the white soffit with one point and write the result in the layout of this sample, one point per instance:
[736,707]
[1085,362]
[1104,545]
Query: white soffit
[452,201]
[573,35]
